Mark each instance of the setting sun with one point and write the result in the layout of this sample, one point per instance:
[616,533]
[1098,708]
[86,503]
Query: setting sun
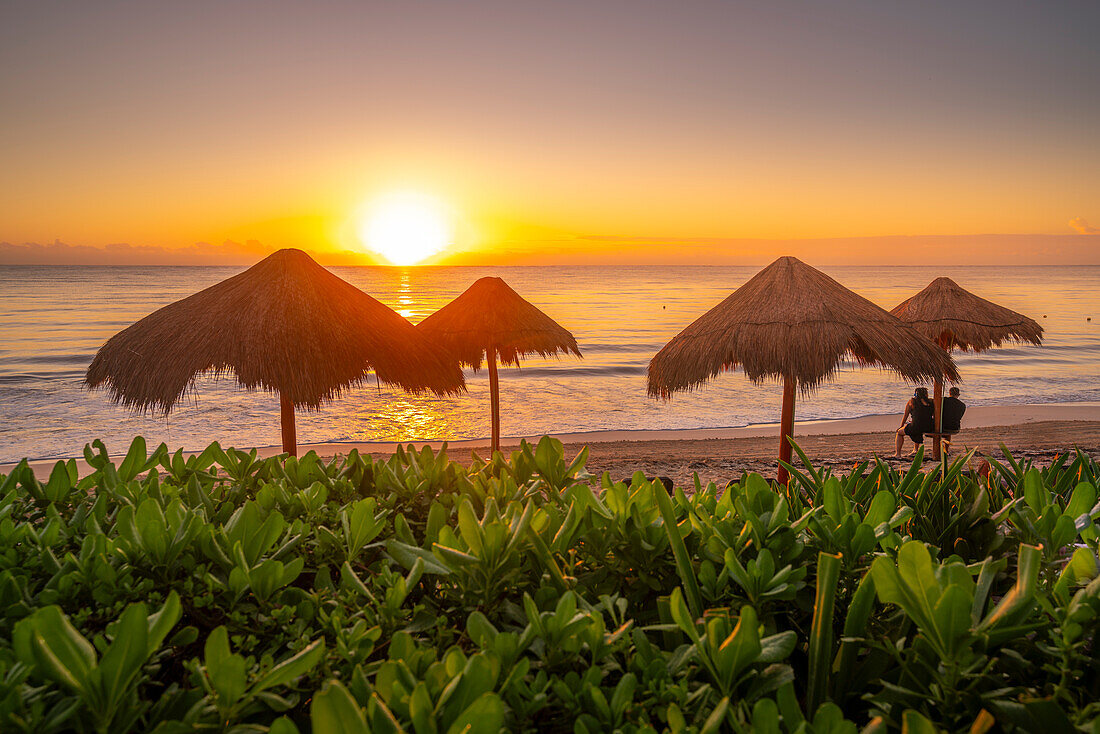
[406,227]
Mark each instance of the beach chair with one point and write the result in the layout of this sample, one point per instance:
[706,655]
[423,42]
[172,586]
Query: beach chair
[945,440]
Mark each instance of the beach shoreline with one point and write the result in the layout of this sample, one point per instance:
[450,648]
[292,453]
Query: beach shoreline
[1040,431]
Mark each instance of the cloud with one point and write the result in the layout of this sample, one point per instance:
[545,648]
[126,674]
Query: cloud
[933,251]
[1082,226]
[228,253]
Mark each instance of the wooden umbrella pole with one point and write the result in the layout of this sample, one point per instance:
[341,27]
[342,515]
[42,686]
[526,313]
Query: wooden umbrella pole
[290,439]
[937,417]
[494,396]
[786,427]
[944,341]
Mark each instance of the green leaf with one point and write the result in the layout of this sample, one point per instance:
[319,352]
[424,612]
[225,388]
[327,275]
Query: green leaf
[713,724]
[1080,569]
[471,530]
[123,660]
[913,723]
[740,649]
[778,646]
[882,508]
[293,667]
[480,629]
[1016,603]
[624,694]
[360,525]
[682,616]
[407,555]
[765,717]
[47,641]
[283,725]
[833,501]
[821,630]
[855,624]
[60,483]
[162,621]
[679,551]
[227,672]
[952,614]
[334,711]
[453,554]
[894,587]
[135,458]
[484,716]
[1081,501]
[787,702]
[382,720]
[915,569]
[420,710]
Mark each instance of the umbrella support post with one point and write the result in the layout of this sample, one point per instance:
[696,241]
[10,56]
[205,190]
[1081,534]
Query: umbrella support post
[290,439]
[786,428]
[494,397]
[937,417]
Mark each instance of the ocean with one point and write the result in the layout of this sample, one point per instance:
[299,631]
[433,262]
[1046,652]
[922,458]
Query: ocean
[53,319]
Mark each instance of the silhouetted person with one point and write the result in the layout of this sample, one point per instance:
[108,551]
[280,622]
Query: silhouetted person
[952,412]
[951,415]
[918,411]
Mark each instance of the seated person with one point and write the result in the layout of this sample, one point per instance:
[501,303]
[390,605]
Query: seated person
[919,408]
[951,414]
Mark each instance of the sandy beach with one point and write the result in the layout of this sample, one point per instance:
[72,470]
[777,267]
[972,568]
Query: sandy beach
[1038,432]
[722,459]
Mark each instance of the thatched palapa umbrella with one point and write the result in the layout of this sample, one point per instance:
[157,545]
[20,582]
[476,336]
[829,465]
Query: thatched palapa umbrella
[955,318]
[490,320]
[285,325]
[793,323]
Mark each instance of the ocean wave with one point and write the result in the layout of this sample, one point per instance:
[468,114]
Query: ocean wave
[587,348]
[82,358]
[578,371]
[14,378]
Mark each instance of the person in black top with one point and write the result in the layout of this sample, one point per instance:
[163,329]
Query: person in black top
[919,408]
[952,412]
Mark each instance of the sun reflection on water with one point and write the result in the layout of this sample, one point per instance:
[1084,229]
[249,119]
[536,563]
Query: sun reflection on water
[404,296]
[400,417]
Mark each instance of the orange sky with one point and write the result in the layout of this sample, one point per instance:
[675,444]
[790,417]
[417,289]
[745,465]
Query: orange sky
[555,132]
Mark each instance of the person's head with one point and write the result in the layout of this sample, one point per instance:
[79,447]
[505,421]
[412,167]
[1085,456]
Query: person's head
[954,392]
[921,393]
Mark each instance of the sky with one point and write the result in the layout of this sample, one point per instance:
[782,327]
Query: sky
[637,131]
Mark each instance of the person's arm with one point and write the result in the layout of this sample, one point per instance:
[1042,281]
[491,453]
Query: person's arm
[905,416]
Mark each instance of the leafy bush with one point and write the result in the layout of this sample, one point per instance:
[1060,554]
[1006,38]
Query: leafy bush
[224,592]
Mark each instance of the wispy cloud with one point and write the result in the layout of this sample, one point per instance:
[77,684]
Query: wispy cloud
[939,251]
[1082,226]
[228,253]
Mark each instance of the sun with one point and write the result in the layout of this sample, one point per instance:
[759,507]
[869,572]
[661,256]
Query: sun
[406,227]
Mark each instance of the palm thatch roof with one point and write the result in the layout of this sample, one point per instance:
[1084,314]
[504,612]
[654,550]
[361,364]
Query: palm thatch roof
[791,321]
[285,325]
[956,318]
[490,314]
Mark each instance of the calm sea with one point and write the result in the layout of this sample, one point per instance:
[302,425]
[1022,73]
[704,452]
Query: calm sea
[52,320]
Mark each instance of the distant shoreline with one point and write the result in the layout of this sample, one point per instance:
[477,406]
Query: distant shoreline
[865,436]
[243,264]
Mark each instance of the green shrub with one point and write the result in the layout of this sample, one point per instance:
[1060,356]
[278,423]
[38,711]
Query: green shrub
[520,593]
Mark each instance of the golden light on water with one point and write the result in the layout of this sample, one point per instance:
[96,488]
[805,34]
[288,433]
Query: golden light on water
[405,297]
[406,227]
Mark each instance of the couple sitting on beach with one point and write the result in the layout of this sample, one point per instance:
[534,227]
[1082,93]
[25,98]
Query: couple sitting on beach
[919,412]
